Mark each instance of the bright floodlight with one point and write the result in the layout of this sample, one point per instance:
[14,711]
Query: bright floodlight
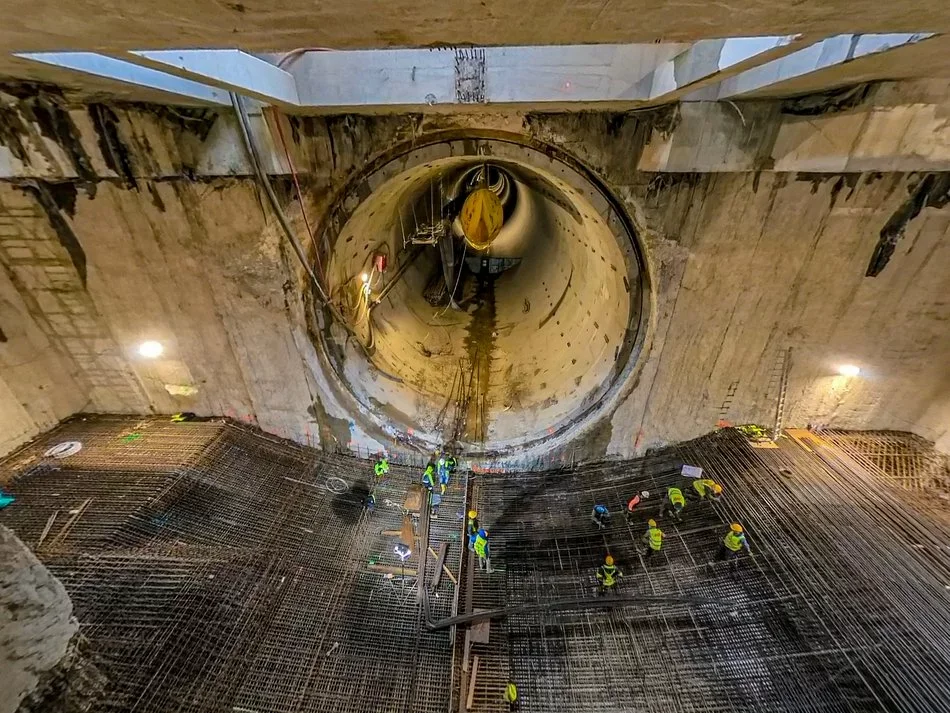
[849,370]
[150,349]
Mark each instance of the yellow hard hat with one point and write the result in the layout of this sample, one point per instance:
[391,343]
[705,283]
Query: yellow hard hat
[717,488]
[735,527]
[651,522]
[472,514]
[609,560]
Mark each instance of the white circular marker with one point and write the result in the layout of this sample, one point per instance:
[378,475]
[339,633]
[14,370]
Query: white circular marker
[151,349]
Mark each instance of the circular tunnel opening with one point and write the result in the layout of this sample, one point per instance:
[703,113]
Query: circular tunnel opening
[494,294]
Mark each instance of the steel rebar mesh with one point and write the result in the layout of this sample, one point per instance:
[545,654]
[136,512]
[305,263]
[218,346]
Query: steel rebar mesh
[217,569]
[842,608]
[240,579]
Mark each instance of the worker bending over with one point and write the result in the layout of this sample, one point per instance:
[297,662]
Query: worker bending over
[482,550]
[471,528]
[733,543]
[706,489]
[608,574]
[600,516]
[511,696]
[634,502]
[381,468]
[673,504]
[652,538]
[428,477]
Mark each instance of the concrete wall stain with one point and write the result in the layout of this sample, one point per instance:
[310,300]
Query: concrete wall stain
[116,154]
[59,224]
[933,191]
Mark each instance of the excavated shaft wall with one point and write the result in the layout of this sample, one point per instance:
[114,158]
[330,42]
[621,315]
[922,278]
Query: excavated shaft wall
[118,224]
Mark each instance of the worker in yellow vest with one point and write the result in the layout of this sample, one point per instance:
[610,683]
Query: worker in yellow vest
[674,504]
[608,574]
[706,489]
[482,550]
[733,543]
[653,539]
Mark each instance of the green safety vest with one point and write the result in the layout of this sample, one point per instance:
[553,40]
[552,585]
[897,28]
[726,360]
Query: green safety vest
[472,526]
[429,476]
[703,484]
[676,496]
[655,538]
[734,540]
[480,544]
[511,693]
[609,572]
[382,467]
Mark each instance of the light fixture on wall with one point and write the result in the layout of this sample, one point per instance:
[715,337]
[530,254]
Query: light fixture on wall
[151,349]
[849,370]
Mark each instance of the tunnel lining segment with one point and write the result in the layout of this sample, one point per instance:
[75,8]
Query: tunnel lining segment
[503,148]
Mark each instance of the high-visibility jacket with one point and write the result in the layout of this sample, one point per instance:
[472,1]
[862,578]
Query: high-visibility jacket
[655,538]
[381,467]
[607,574]
[472,526]
[701,485]
[428,477]
[511,693]
[481,546]
[676,496]
[734,541]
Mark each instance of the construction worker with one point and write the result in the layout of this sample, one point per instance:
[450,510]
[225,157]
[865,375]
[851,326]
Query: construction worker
[608,574]
[652,538]
[451,462]
[511,696]
[443,470]
[370,502]
[428,477]
[633,502]
[482,550]
[471,528]
[733,543]
[381,468]
[600,516]
[673,504]
[706,489]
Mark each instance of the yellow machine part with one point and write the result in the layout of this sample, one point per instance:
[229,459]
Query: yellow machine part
[481,218]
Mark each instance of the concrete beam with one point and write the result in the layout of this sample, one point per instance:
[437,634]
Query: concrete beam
[231,70]
[709,61]
[116,70]
[513,76]
[823,54]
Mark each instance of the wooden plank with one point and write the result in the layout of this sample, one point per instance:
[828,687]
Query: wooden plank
[471,684]
[49,525]
[414,498]
[440,565]
[389,569]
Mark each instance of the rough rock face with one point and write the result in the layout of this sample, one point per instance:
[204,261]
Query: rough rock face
[36,622]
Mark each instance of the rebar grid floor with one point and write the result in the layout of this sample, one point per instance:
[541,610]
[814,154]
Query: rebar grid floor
[843,607]
[213,568]
[217,569]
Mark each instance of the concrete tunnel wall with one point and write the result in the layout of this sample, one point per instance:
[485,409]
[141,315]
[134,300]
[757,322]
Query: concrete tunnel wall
[560,316]
[743,264]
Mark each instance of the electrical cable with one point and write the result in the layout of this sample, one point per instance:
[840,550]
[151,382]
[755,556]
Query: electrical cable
[257,165]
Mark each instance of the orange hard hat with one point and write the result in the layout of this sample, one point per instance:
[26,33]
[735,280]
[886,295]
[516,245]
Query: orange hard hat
[651,522]
[735,527]
[609,560]
[717,488]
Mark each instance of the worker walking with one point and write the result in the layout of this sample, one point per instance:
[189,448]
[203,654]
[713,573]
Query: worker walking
[652,538]
[443,470]
[673,504]
[435,497]
[706,489]
[381,468]
[634,502]
[471,528]
[608,574]
[733,543]
[600,515]
[482,550]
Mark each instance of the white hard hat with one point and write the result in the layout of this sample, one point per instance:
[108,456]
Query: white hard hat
[645,494]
